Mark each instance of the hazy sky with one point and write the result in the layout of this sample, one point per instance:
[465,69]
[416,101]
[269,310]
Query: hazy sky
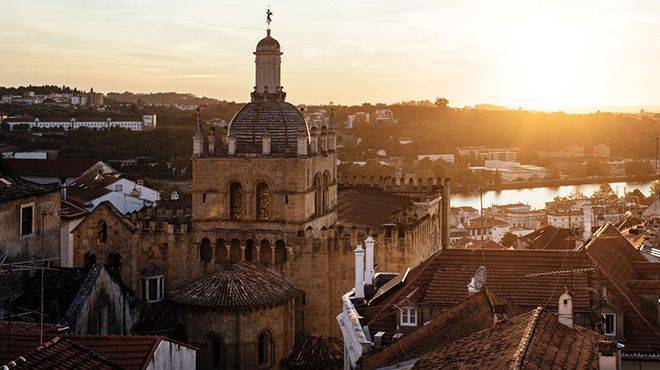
[536,54]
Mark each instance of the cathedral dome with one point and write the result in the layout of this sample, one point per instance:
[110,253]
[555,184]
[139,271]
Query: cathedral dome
[268,44]
[281,120]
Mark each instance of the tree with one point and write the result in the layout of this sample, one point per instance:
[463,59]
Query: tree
[509,240]
[605,193]
[655,189]
[441,102]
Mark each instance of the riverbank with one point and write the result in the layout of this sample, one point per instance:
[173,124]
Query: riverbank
[556,183]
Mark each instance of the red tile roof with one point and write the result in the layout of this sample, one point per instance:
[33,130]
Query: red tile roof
[129,352]
[240,285]
[14,187]
[59,353]
[315,352]
[534,340]
[549,237]
[526,278]
[619,262]
[476,313]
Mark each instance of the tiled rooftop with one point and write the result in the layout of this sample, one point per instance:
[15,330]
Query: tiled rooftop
[59,353]
[534,340]
[315,352]
[14,187]
[240,285]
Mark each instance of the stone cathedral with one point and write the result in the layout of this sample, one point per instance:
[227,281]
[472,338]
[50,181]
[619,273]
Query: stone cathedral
[258,260]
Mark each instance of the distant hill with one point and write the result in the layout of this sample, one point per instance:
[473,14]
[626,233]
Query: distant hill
[162,98]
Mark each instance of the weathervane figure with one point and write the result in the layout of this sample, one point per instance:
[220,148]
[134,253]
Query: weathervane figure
[269,14]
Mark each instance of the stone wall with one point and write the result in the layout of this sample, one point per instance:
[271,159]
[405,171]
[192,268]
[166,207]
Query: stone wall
[18,247]
[239,332]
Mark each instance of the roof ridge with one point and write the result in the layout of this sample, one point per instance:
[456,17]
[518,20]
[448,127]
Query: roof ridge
[521,351]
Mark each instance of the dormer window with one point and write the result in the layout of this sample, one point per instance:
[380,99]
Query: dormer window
[153,283]
[408,316]
[610,323]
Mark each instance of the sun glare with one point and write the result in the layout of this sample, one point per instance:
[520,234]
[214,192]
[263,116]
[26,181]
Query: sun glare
[548,66]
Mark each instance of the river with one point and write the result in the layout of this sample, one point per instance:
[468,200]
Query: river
[536,197]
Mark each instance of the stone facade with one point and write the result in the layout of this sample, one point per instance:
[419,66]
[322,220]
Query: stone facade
[268,193]
[17,245]
[238,332]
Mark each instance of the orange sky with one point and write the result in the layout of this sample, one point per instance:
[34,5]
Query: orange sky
[536,54]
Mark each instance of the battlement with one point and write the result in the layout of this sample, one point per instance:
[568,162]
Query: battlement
[402,184]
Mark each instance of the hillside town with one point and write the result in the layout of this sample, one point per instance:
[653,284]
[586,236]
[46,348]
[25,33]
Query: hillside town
[289,238]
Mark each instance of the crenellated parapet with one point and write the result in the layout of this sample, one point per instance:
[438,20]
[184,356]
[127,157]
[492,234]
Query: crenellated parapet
[403,184]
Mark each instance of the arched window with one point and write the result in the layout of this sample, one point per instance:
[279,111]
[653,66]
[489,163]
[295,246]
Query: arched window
[280,252]
[205,251]
[235,200]
[265,349]
[102,231]
[221,250]
[218,358]
[250,250]
[263,201]
[326,196]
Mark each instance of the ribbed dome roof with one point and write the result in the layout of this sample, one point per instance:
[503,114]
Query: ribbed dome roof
[283,122]
[236,286]
[268,44]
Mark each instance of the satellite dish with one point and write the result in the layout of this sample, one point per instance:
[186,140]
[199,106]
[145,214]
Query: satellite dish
[478,280]
[480,277]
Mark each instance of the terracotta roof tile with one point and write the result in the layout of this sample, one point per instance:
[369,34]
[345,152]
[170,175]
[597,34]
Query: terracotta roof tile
[315,352]
[549,237]
[240,285]
[129,352]
[14,187]
[59,353]
[525,278]
[534,340]
[619,261]
[474,314]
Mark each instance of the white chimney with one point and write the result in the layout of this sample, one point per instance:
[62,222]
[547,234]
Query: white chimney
[369,271]
[565,309]
[586,219]
[359,271]
[608,355]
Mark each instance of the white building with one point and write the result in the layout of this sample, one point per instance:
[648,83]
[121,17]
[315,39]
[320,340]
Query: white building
[126,195]
[148,122]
